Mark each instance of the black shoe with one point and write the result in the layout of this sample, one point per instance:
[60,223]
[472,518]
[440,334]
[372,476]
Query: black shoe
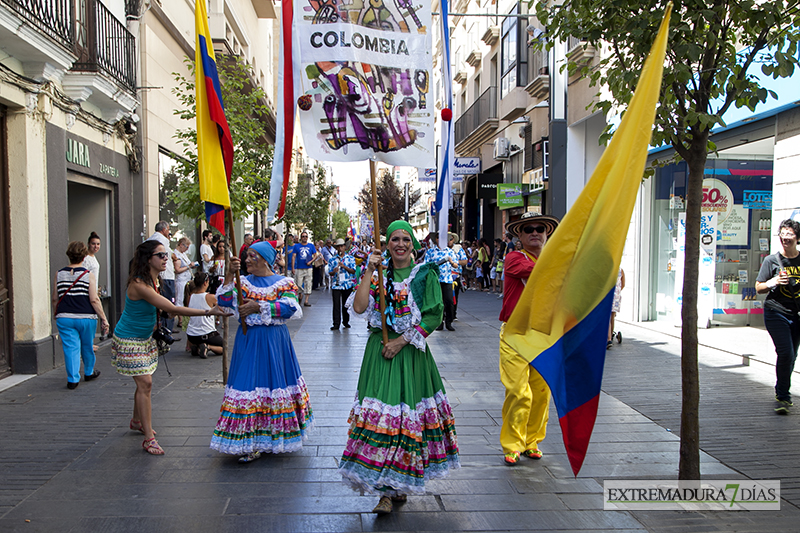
[334,328]
[347,326]
[450,327]
[202,351]
[93,375]
[72,386]
[782,407]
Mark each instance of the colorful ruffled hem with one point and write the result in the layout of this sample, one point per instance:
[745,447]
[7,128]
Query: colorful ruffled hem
[396,449]
[263,420]
[134,357]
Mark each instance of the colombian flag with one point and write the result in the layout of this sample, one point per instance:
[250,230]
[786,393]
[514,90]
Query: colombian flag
[214,143]
[561,320]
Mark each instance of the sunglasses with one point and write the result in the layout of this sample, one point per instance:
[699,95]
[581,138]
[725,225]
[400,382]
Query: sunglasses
[531,229]
[162,255]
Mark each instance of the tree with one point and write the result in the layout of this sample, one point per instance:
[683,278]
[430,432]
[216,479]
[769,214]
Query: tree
[713,44]
[252,155]
[341,224]
[305,209]
[391,199]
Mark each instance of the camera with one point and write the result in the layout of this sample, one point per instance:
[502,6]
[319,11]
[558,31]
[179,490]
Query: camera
[162,334]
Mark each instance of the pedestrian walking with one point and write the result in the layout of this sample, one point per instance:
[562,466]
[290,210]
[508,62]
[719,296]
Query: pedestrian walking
[485,263]
[460,258]
[133,348]
[615,305]
[266,406]
[303,254]
[328,251]
[90,261]
[77,308]
[207,250]
[445,258]
[778,278]
[342,271]
[402,431]
[163,235]
[527,399]
[183,271]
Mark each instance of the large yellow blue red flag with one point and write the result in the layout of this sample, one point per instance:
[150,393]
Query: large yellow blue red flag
[214,143]
[561,320]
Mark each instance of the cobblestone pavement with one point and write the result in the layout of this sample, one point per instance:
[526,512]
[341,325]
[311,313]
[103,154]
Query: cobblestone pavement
[68,461]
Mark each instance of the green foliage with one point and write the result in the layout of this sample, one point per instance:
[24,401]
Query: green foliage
[252,156]
[712,43]
[391,199]
[307,210]
[341,224]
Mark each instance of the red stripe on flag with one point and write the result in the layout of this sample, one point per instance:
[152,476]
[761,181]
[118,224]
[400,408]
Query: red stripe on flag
[576,427]
[217,114]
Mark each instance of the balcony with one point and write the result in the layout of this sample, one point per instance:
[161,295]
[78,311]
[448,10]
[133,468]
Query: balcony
[460,77]
[492,35]
[40,34]
[539,87]
[474,58]
[579,51]
[478,123]
[104,44]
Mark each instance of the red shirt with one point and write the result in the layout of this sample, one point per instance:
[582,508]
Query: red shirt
[517,267]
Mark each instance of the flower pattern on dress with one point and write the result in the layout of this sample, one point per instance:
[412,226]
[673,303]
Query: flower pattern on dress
[436,254]
[406,314]
[278,302]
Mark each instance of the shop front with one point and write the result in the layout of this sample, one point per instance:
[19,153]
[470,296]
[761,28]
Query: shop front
[736,211]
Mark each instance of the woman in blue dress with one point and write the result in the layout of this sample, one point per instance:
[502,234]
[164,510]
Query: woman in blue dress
[266,407]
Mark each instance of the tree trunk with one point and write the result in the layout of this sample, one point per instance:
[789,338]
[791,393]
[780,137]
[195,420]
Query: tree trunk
[689,468]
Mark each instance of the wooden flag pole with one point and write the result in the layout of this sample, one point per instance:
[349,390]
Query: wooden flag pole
[236,274]
[377,240]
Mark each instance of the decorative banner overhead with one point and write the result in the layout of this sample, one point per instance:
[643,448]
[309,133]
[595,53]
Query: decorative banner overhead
[371,95]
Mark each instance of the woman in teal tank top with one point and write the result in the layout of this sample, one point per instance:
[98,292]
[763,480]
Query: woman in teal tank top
[133,349]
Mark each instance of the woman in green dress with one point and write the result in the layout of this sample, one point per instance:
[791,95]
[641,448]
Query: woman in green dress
[402,431]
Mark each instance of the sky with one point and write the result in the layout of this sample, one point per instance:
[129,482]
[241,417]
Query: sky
[350,177]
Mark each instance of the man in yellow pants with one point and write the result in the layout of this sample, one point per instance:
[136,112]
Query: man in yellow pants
[527,403]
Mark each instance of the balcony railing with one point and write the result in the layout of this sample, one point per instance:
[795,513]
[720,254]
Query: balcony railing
[104,44]
[479,113]
[52,17]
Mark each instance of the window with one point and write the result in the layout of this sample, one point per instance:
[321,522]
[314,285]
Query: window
[513,54]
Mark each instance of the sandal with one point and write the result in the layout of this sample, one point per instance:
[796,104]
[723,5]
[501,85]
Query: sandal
[151,446]
[250,457]
[384,506]
[137,426]
[532,453]
[511,458]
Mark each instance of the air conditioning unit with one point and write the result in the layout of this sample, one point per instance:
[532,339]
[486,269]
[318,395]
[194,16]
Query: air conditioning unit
[502,149]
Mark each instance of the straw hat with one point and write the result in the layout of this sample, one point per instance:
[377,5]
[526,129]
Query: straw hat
[339,242]
[454,237]
[550,223]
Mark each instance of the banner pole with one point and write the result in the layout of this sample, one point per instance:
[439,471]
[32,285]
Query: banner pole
[376,233]
[236,274]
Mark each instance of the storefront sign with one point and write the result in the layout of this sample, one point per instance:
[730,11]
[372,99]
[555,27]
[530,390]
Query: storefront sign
[78,153]
[757,199]
[487,184]
[717,198]
[426,175]
[509,195]
[734,231]
[466,166]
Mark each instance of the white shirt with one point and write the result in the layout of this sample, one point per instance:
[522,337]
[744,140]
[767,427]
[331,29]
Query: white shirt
[91,264]
[169,273]
[205,250]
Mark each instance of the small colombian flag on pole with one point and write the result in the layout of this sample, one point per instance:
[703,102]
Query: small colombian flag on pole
[561,321]
[214,143]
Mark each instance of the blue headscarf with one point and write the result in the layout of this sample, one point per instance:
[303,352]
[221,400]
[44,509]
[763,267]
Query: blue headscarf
[265,250]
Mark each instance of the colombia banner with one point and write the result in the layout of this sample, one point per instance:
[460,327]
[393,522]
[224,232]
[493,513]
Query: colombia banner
[214,143]
[561,320]
[371,95]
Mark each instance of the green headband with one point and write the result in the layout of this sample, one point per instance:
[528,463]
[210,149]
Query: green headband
[405,226]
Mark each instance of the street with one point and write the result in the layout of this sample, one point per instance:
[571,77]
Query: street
[68,461]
